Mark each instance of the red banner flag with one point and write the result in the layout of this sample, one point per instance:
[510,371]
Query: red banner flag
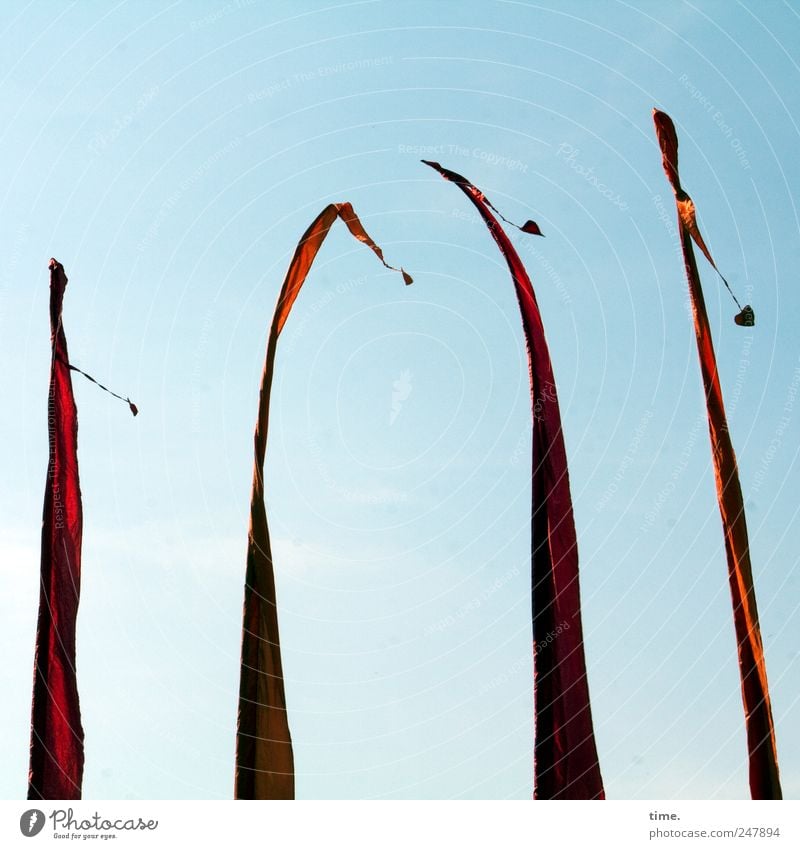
[264,757]
[761,745]
[56,761]
[565,756]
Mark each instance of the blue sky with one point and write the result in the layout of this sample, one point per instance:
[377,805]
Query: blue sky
[171,156]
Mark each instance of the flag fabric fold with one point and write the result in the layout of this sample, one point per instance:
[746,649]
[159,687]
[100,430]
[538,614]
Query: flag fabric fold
[264,756]
[56,751]
[566,765]
[761,743]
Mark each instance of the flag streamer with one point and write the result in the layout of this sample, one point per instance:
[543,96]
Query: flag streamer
[264,757]
[565,755]
[134,409]
[56,753]
[761,744]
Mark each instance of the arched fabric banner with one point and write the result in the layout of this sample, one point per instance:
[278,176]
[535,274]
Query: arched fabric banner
[264,758]
[565,756]
[761,745]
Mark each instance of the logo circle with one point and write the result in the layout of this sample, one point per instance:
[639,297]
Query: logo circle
[31,822]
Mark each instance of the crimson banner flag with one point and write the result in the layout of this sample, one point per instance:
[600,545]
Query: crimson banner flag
[761,744]
[56,756]
[565,755]
[264,757]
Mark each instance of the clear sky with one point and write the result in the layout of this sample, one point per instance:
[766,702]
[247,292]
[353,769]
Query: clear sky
[170,155]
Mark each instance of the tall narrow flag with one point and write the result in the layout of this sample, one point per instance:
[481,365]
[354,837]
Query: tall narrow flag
[56,752]
[762,749]
[565,755]
[56,761]
[264,757]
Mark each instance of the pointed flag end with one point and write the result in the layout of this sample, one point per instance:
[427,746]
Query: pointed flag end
[134,408]
[431,163]
[407,278]
[661,119]
[531,227]
[746,318]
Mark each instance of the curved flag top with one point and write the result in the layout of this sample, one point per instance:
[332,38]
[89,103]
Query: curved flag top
[565,756]
[56,758]
[761,745]
[264,758]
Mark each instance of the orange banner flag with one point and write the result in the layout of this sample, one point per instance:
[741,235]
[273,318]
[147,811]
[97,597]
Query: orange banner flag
[264,757]
[764,780]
